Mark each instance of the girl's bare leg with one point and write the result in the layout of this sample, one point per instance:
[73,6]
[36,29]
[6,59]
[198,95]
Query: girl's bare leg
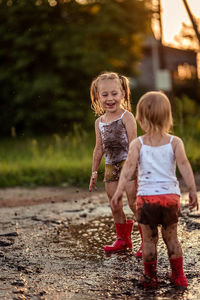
[131,195]
[122,226]
[117,211]
[150,240]
[170,238]
[175,255]
[131,189]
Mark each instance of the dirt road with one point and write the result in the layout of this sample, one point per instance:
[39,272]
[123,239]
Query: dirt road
[54,250]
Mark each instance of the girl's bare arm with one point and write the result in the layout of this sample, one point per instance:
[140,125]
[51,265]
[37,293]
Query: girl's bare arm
[127,170]
[97,156]
[186,171]
[131,126]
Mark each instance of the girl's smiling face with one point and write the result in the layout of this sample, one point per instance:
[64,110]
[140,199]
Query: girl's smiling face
[110,94]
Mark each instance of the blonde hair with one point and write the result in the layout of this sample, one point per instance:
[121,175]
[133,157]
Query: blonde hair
[153,112]
[124,83]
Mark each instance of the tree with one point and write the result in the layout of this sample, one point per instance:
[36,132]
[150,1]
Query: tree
[192,19]
[187,38]
[51,50]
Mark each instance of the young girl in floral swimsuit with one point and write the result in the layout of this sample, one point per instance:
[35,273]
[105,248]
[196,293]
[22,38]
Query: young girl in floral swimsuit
[115,129]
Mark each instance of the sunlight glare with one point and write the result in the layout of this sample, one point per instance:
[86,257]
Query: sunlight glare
[174,14]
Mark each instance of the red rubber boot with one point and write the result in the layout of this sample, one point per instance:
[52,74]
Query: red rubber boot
[177,275]
[150,275]
[123,241]
[139,253]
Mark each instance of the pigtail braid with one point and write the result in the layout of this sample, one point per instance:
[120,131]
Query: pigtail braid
[125,86]
[95,103]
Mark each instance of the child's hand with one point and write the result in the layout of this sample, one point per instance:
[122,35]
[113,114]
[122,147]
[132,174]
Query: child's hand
[93,181]
[116,200]
[193,200]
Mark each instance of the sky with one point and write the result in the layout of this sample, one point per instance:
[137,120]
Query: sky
[174,14]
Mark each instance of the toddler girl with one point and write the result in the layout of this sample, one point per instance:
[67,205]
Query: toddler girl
[158,194]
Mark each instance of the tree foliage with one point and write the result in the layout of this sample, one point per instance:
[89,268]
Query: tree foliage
[51,50]
[187,38]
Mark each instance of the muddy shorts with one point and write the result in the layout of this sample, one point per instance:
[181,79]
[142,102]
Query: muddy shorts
[112,172]
[158,209]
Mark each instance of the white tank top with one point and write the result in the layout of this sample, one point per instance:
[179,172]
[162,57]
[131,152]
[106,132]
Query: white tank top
[157,170]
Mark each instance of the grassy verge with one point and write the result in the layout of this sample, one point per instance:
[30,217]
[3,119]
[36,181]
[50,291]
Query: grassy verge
[59,160]
[52,160]
[67,160]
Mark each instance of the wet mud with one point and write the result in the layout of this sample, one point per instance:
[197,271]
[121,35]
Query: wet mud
[55,251]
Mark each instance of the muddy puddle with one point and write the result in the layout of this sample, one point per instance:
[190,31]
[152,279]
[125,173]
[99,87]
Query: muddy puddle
[55,251]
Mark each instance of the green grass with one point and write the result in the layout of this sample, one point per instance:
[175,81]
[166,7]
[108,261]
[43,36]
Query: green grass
[67,160]
[52,160]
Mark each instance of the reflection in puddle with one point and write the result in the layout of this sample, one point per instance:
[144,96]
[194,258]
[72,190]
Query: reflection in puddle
[117,276]
[90,238]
